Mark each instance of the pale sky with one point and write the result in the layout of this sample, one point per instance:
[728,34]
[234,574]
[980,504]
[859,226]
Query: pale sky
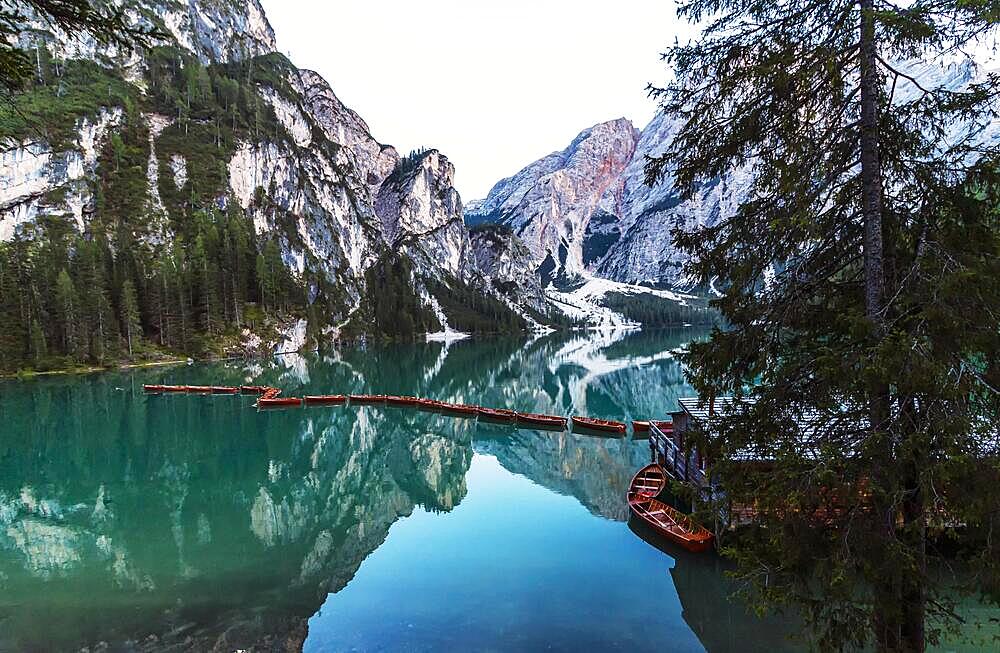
[492,85]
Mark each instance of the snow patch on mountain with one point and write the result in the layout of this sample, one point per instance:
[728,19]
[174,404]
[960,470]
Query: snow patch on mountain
[446,334]
[585,301]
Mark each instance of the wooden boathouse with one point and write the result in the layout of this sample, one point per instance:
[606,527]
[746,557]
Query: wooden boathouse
[667,446]
[686,463]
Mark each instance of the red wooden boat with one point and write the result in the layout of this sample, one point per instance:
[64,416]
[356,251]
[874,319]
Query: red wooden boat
[153,388]
[666,520]
[175,388]
[278,402]
[224,390]
[648,482]
[640,426]
[665,426]
[366,399]
[397,400]
[253,389]
[497,414]
[325,400]
[202,389]
[429,404]
[594,424]
[541,421]
[459,409]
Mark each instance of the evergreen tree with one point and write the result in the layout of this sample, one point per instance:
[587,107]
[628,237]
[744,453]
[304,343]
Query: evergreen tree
[131,324]
[14,334]
[67,304]
[263,279]
[873,367]
[39,348]
[106,24]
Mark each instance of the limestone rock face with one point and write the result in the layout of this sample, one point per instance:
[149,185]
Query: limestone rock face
[506,260]
[318,182]
[587,210]
[551,203]
[421,216]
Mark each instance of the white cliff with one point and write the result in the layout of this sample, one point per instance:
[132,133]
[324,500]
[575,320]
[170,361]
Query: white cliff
[319,183]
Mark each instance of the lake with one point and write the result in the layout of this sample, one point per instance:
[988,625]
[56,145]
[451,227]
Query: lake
[187,522]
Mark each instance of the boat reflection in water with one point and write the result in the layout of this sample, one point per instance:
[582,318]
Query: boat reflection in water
[194,522]
[721,622]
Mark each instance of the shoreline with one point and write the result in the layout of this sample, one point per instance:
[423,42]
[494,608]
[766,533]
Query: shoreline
[349,341]
[96,368]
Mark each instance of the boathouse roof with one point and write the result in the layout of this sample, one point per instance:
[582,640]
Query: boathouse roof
[695,410]
[700,409]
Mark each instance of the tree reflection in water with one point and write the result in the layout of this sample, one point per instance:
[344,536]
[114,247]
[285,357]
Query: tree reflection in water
[196,522]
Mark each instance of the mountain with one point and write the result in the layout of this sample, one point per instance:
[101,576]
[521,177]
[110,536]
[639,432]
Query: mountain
[168,160]
[554,204]
[587,212]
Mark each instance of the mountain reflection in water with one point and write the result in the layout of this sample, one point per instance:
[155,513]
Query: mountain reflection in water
[199,523]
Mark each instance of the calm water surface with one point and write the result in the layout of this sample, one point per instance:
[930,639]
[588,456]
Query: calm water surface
[198,523]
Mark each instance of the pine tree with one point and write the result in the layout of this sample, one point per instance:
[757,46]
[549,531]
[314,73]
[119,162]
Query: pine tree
[14,334]
[67,304]
[39,348]
[263,279]
[131,323]
[858,191]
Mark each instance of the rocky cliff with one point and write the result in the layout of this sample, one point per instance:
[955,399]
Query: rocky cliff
[219,119]
[587,209]
[554,204]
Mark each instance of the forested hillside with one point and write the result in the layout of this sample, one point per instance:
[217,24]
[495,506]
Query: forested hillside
[121,288]
[202,195]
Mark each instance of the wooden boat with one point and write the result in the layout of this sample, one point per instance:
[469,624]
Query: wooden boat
[147,387]
[201,389]
[366,399]
[253,389]
[665,426]
[429,405]
[541,421]
[459,409]
[397,400]
[278,402]
[648,481]
[666,520]
[174,388]
[325,400]
[497,414]
[640,426]
[224,390]
[594,424]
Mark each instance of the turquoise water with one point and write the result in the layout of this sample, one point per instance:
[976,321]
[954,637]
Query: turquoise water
[198,523]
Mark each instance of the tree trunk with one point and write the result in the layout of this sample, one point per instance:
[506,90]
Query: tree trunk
[871,171]
[900,600]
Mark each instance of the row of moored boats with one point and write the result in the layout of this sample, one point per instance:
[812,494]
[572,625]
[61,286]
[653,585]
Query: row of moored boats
[644,493]
[268,397]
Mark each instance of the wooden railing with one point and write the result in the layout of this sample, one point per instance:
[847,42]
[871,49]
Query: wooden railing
[678,462]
